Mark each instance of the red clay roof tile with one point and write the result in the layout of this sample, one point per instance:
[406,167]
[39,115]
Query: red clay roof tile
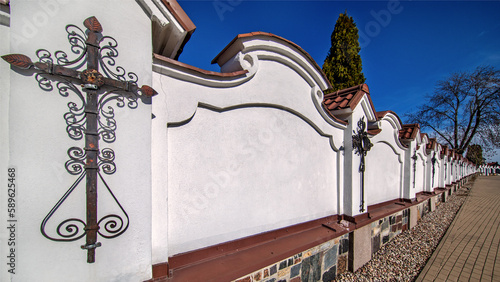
[383,113]
[346,98]
[343,104]
[432,143]
[374,131]
[179,15]
[260,33]
[409,131]
[198,70]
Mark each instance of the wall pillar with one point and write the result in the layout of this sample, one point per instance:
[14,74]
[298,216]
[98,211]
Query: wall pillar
[432,204]
[413,216]
[360,247]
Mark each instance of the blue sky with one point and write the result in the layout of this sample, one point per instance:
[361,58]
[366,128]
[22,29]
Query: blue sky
[407,46]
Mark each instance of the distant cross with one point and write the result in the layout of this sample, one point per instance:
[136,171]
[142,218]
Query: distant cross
[433,160]
[415,158]
[91,82]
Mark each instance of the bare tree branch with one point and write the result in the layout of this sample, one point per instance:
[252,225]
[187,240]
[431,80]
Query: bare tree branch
[464,108]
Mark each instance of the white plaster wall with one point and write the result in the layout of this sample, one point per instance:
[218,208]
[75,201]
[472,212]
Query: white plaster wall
[243,172]
[38,144]
[452,170]
[420,171]
[384,175]
[428,172]
[256,154]
[448,178]
[437,175]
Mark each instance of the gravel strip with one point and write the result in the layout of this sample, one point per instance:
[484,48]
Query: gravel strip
[405,256]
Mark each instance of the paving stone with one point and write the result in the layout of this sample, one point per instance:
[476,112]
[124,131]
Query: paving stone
[311,268]
[375,243]
[330,274]
[295,271]
[399,218]
[385,225]
[257,276]
[342,264]
[392,220]
[283,264]
[344,246]
[330,257]
[273,270]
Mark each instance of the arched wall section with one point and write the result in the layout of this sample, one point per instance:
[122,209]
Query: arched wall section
[244,171]
[383,174]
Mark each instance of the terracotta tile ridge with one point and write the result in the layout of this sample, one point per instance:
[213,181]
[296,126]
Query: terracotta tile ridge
[334,117]
[357,98]
[347,98]
[198,70]
[382,114]
[345,91]
[374,131]
[262,33]
[409,128]
[414,133]
[332,106]
[411,125]
[432,143]
[179,15]
[183,20]
[362,91]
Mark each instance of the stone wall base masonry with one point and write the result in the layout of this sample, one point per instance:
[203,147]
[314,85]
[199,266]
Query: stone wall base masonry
[349,251]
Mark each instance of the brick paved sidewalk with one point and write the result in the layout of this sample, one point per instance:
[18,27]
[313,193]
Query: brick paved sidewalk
[469,251]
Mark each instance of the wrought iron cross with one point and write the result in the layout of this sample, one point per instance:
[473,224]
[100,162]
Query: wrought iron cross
[433,160]
[361,144]
[88,119]
[414,157]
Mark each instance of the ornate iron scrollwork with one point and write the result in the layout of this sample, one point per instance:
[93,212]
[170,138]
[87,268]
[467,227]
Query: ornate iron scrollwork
[414,158]
[361,145]
[91,119]
[433,160]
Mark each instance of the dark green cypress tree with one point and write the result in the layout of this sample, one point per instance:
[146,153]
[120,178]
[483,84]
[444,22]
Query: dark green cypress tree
[343,66]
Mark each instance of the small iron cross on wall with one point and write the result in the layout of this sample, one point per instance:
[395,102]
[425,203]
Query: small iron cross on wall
[361,145]
[87,119]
